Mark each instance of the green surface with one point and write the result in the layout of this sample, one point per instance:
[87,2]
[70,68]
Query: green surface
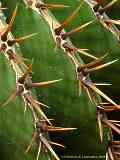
[67,108]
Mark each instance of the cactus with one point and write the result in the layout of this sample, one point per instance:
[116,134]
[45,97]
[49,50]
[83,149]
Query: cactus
[53,68]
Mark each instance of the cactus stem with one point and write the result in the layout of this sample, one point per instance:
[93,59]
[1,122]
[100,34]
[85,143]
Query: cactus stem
[83,76]
[23,84]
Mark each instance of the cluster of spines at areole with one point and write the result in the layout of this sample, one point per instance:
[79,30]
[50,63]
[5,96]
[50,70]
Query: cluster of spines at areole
[23,72]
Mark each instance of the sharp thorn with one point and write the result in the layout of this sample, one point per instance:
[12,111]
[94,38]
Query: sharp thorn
[83,52]
[43,120]
[79,88]
[2,8]
[21,39]
[104,103]
[39,149]
[110,21]
[68,20]
[10,25]
[40,5]
[100,127]
[114,121]
[37,108]
[48,146]
[44,84]
[94,88]
[55,6]
[11,98]
[111,3]
[117,124]
[110,154]
[95,62]
[30,145]
[108,6]
[79,28]
[112,126]
[115,142]
[56,144]
[42,104]
[88,93]
[118,153]
[59,129]
[102,84]
[101,66]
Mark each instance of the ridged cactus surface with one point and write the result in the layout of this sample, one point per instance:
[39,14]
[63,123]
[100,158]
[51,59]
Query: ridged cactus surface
[75,99]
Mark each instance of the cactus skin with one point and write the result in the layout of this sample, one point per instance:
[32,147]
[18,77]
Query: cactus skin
[57,65]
